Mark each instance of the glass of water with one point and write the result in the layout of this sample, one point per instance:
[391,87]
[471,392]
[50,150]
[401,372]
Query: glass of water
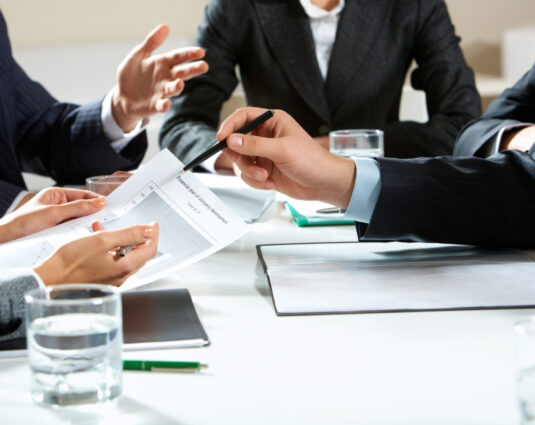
[74,335]
[357,143]
[524,335]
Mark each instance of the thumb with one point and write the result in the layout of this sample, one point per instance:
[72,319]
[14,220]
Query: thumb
[154,40]
[246,144]
[79,208]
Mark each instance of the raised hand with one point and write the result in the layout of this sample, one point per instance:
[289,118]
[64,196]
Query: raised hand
[145,82]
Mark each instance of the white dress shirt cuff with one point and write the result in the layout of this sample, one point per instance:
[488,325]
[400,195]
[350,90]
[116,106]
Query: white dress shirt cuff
[494,146]
[118,138]
[16,201]
[365,192]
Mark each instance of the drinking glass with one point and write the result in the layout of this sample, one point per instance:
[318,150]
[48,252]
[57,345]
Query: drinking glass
[74,338]
[357,142]
[104,185]
[524,335]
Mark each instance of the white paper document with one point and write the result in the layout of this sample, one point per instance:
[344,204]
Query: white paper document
[358,277]
[247,202]
[194,223]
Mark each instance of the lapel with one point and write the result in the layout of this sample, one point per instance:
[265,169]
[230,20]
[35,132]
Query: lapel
[358,29]
[287,30]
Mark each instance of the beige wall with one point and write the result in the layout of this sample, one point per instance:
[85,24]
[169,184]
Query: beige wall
[36,22]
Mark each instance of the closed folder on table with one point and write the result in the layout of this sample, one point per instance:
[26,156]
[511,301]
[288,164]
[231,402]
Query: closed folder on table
[306,213]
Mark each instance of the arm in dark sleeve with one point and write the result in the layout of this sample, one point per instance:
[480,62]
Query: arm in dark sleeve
[514,106]
[448,82]
[13,285]
[489,202]
[65,141]
[190,125]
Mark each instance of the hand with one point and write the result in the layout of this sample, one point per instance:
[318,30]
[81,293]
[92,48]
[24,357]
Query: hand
[519,138]
[46,209]
[281,155]
[146,81]
[323,141]
[93,258]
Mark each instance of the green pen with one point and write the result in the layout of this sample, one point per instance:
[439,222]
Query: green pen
[163,366]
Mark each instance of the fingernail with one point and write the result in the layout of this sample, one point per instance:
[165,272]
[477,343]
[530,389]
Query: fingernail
[98,202]
[148,231]
[236,140]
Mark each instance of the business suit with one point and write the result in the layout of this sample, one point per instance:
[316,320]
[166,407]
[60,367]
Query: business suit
[41,135]
[14,283]
[271,42]
[515,105]
[476,201]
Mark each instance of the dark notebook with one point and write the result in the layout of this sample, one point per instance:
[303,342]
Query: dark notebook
[151,320]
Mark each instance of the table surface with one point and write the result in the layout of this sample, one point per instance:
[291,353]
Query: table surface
[408,368]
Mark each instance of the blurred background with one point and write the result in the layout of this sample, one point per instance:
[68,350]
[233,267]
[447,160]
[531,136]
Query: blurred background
[73,47]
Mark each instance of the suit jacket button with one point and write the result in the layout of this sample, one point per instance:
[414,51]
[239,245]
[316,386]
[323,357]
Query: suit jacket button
[324,130]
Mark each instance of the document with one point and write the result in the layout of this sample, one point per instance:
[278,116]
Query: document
[247,202]
[353,277]
[194,223]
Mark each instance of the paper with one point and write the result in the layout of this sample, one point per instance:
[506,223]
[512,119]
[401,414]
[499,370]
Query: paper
[376,277]
[248,203]
[194,223]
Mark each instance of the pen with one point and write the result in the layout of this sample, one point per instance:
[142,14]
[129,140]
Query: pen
[163,366]
[329,210]
[219,146]
[123,250]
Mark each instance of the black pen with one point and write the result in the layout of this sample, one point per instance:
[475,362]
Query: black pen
[219,146]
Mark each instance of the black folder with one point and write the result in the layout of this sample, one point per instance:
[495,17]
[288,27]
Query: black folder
[151,320]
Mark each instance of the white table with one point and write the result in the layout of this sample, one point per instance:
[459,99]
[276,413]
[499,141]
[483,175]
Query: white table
[410,368]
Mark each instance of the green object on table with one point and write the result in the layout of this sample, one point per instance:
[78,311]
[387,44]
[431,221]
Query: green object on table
[304,221]
[164,366]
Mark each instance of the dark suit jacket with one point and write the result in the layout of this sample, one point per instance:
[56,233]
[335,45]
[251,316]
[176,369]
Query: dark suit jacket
[471,200]
[41,135]
[271,42]
[514,106]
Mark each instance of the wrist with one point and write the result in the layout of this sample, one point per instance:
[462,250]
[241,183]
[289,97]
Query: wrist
[339,188]
[126,121]
[50,271]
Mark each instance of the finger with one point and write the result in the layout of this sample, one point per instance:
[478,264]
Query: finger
[233,156]
[237,120]
[122,173]
[185,72]
[163,105]
[180,56]
[127,236]
[173,88]
[264,185]
[96,226]
[79,208]
[249,167]
[75,194]
[249,145]
[154,40]
[142,253]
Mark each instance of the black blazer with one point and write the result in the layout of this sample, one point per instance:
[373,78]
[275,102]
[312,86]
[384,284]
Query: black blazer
[515,105]
[271,43]
[41,135]
[475,201]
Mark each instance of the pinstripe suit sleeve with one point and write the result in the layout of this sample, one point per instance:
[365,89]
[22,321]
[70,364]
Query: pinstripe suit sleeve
[14,283]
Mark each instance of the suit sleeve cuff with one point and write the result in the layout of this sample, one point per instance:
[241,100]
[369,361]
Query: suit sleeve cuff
[366,190]
[113,132]
[16,201]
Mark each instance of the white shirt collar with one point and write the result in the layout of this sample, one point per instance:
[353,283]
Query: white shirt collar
[316,12]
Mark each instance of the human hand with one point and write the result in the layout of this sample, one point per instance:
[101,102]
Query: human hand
[47,208]
[146,81]
[323,141]
[281,155]
[93,258]
[519,138]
